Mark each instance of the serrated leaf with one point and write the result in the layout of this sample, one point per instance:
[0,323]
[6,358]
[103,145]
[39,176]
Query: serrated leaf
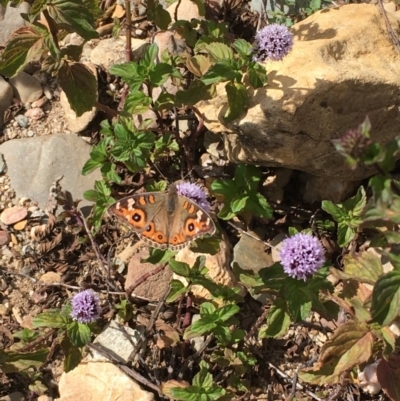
[243,47]
[73,16]
[73,354]
[196,92]
[158,14]
[350,345]
[388,373]
[386,298]
[335,211]
[79,85]
[345,234]
[177,290]
[78,333]
[137,102]
[278,321]
[219,72]
[12,362]
[364,267]
[237,100]
[198,65]
[219,51]
[25,45]
[179,268]
[51,319]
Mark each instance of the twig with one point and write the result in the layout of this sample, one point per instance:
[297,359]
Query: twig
[33,343]
[251,235]
[150,324]
[298,386]
[131,373]
[94,246]
[389,28]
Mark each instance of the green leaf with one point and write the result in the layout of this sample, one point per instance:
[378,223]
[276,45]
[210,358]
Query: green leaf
[73,16]
[243,47]
[219,51]
[219,72]
[336,212]
[158,14]
[357,203]
[196,92]
[79,85]
[137,103]
[386,298]
[25,46]
[203,378]
[238,203]
[278,321]
[177,290]
[52,319]
[257,75]
[364,267]
[160,73]
[73,354]
[15,361]
[345,235]
[179,268]
[79,334]
[149,55]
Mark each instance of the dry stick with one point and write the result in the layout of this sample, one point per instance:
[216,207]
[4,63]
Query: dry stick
[131,373]
[105,271]
[150,324]
[128,48]
[251,235]
[298,386]
[389,28]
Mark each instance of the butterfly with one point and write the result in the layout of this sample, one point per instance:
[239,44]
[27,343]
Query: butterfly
[164,220]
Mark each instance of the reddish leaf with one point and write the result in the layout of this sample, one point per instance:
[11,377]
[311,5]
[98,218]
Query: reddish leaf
[388,376]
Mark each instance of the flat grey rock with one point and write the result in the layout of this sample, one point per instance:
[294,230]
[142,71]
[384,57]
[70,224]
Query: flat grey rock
[26,87]
[10,19]
[33,165]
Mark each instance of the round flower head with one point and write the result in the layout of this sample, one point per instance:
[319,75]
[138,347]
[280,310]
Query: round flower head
[194,193]
[272,42]
[85,306]
[301,255]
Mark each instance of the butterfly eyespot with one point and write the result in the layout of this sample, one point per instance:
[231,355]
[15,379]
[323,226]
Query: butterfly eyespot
[136,217]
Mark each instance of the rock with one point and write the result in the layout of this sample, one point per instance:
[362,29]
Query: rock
[20,225]
[41,102]
[103,381]
[22,120]
[250,254]
[349,68]
[187,10]
[119,340]
[10,19]
[218,266]
[390,7]
[75,123]
[35,113]
[6,97]
[35,163]
[112,51]
[155,286]
[50,278]
[318,189]
[16,396]
[369,379]
[26,87]
[4,238]
[13,214]
[44,398]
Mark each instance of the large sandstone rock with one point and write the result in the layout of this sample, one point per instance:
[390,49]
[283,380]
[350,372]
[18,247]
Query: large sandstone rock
[343,66]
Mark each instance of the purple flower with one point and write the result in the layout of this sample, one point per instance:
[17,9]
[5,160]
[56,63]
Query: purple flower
[273,42]
[301,255]
[194,193]
[85,306]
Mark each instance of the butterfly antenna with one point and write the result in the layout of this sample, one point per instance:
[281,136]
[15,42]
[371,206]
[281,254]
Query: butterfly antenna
[251,235]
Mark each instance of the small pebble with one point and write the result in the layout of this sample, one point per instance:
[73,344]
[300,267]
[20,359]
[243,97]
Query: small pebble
[30,133]
[22,120]
[15,124]
[20,225]
[13,215]
[4,237]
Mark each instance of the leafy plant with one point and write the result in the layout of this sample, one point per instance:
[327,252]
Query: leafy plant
[240,194]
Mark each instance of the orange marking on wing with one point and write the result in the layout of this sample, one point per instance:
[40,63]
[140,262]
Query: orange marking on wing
[135,217]
[151,199]
[178,239]
[142,200]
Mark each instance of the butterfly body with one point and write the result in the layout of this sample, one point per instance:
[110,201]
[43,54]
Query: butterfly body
[164,219]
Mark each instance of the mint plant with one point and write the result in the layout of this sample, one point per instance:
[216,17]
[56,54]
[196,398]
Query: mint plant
[241,195]
[348,216]
[37,40]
